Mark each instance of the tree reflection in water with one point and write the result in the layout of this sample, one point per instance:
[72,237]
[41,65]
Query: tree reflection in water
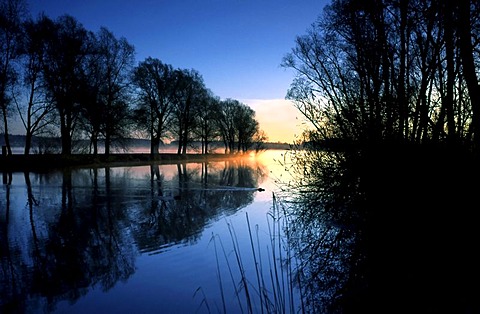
[84,228]
[390,231]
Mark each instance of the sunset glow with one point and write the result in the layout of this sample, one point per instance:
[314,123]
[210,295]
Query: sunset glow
[278,118]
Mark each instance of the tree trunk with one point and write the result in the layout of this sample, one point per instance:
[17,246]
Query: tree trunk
[449,50]
[95,143]
[66,140]
[65,129]
[154,145]
[185,142]
[468,63]
[28,142]
[6,135]
[107,143]
[402,102]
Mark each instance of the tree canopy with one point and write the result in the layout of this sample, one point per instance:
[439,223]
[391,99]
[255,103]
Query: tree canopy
[402,70]
[77,84]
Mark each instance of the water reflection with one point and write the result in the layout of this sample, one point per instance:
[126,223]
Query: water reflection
[385,233]
[64,233]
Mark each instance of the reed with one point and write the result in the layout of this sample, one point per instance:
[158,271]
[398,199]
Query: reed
[272,286]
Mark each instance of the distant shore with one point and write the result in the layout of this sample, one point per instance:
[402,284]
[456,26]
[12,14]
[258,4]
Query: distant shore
[138,153]
[39,162]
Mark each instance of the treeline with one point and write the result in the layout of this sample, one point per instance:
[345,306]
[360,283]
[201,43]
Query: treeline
[378,71]
[62,80]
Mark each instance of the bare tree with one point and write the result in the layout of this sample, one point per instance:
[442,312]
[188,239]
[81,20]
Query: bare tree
[259,139]
[377,71]
[470,67]
[11,15]
[226,123]
[116,61]
[155,83]
[63,70]
[189,93]
[237,126]
[105,89]
[246,127]
[38,113]
[206,128]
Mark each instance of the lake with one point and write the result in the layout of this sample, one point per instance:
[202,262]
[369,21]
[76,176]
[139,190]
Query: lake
[180,238]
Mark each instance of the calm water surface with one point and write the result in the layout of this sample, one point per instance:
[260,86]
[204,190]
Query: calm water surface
[143,239]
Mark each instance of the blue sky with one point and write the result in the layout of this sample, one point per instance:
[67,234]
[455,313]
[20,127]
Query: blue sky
[236,45]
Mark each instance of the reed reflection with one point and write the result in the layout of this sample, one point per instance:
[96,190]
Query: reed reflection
[382,232]
[86,227]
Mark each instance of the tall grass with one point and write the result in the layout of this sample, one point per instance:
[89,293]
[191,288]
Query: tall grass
[272,288]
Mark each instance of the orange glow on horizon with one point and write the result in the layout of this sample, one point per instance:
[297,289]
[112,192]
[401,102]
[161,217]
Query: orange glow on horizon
[280,120]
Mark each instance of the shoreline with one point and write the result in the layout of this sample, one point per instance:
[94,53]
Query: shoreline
[43,162]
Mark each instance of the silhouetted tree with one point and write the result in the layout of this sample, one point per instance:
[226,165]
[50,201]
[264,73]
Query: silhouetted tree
[376,71]
[468,21]
[116,58]
[189,93]
[79,83]
[237,125]
[64,69]
[155,83]
[37,112]
[11,15]
[91,109]
[373,72]
[258,141]
[206,127]
[104,95]
[226,123]
[246,127]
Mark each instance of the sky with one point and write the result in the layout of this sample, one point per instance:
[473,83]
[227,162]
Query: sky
[236,45]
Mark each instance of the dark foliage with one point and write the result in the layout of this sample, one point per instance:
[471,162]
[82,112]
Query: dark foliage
[390,229]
